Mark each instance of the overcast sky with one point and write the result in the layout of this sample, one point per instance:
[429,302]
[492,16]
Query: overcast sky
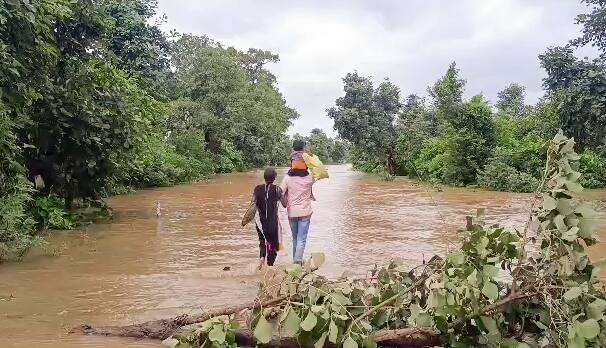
[494,42]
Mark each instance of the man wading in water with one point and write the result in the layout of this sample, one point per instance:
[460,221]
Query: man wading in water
[297,189]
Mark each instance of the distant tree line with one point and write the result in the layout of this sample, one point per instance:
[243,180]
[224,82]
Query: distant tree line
[444,137]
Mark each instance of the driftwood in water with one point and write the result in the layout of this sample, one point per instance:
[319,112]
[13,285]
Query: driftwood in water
[164,328]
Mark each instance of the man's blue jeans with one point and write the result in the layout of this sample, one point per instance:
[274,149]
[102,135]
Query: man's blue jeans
[299,228]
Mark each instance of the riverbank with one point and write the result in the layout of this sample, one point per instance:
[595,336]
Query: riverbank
[139,267]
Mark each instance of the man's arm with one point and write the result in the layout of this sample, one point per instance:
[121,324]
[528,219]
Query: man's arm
[284,189]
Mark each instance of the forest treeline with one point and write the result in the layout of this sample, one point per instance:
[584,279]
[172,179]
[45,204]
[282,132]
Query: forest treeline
[447,138]
[95,100]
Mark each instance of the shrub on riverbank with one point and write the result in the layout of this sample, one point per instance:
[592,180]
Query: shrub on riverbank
[593,167]
[16,226]
[500,176]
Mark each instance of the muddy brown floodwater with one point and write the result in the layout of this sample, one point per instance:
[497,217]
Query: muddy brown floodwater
[141,267]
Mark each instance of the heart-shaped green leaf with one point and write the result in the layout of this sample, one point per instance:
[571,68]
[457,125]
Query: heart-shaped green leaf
[573,293]
[350,343]
[589,328]
[217,334]
[291,324]
[491,290]
[310,322]
[263,331]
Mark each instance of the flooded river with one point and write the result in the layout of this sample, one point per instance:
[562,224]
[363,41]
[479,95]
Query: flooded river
[141,267]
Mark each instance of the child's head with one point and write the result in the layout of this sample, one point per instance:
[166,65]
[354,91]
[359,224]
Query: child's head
[298,145]
[269,175]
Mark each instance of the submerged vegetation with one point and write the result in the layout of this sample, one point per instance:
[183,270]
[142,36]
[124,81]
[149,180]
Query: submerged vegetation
[534,287]
[459,141]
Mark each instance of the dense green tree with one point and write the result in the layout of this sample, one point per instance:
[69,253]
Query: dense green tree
[447,94]
[97,117]
[141,48]
[511,100]
[417,124]
[339,151]
[244,111]
[579,85]
[462,142]
[580,88]
[365,116]
[470,139]
[72,133]
[280,152]
[594,26]
[319,143]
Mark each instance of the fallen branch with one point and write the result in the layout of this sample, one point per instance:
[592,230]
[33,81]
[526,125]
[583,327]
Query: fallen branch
[513,297]
[164,328]
[405,337]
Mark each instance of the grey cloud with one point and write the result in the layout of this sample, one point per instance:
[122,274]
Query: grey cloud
[494,42]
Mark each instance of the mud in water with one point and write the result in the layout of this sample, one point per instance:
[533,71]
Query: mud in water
[141,267]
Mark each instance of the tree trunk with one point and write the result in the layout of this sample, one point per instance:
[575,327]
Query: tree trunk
[406,337]
[164,328]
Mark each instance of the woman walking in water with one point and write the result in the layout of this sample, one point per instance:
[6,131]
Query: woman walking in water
[266,197]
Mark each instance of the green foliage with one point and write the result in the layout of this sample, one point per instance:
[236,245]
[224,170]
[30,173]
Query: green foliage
[469,142]
[517,146]
[216,333]
[365,116]
[15,225]
[461,142]
[498,175]
[231,97]
[449,140]
[567,225]
[339,151]
[511,100]
[417,126]
[140,48]
[579,87]
[594,26]
[447,94]
[593,167]
[160,164]
[429,164]
[50,212]
[99,118]
[320,145]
